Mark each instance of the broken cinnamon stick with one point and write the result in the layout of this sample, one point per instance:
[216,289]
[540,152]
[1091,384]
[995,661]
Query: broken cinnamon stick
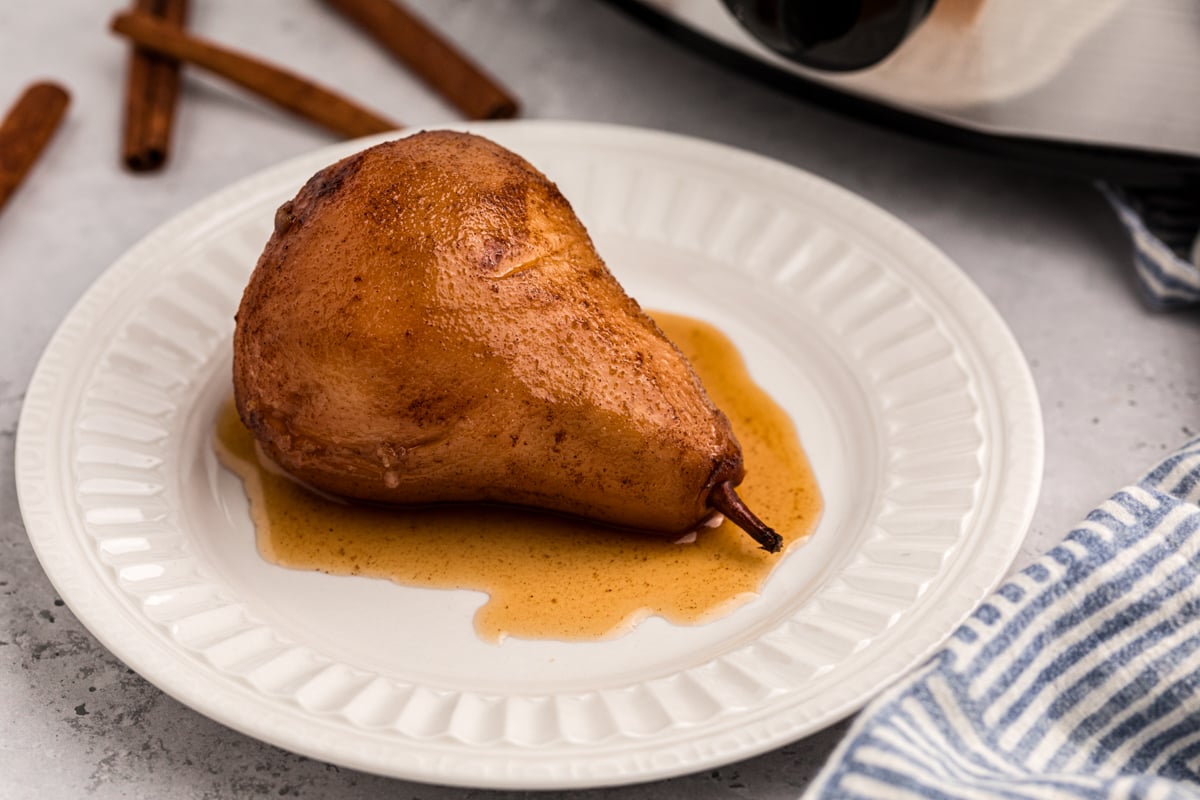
[436,60]
[285,89]
[25,131]
[150,93]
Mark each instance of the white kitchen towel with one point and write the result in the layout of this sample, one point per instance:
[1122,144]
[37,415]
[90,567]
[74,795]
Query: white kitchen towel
[1077,678]
[1165,228]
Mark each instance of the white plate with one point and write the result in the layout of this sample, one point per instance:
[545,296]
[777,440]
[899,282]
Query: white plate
[911,396]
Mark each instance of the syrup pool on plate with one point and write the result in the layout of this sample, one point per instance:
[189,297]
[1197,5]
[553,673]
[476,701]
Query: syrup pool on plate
[549,576]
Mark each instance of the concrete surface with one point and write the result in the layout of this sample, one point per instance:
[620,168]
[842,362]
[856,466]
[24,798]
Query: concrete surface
[1119,384]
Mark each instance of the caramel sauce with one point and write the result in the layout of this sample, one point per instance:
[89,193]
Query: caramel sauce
[548,576]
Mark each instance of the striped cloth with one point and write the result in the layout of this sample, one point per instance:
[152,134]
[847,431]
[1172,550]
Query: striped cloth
[1165,228]
[1078,678]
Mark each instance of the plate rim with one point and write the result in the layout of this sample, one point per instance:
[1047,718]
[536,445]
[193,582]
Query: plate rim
[1026,438]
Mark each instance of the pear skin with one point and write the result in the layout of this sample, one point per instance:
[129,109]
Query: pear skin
[430,323]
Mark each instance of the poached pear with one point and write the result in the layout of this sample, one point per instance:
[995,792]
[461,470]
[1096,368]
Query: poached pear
[430,323]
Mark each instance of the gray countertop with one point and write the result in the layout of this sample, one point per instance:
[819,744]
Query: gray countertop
[1119,385]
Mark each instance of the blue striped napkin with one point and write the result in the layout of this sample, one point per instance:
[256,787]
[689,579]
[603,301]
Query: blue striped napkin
[1165,228]
[1078,678]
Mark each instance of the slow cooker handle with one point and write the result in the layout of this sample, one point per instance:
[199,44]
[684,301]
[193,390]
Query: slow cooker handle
[833,35]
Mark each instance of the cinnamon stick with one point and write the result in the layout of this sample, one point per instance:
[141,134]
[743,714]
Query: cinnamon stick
[285,89]
[436,60]
[150,93]
[25,131]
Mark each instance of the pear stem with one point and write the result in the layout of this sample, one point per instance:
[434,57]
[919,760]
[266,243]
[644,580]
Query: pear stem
[724,499]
